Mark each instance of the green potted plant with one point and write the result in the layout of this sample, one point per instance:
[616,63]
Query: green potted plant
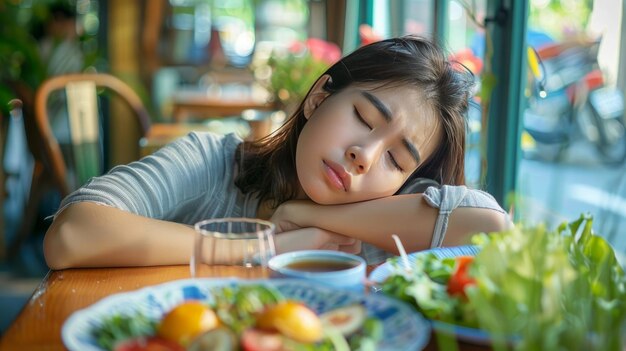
[21,67]
[289,73]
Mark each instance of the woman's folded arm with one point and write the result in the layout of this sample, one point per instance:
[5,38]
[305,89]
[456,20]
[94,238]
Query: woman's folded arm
[87,234]
[409,216]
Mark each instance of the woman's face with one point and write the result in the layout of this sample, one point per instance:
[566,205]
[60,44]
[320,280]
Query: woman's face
[362,144]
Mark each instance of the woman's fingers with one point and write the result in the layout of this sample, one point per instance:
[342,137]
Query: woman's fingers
[338,242]
[330,246]
[327,237]
[315,239]
[353,249]
[285,226]
[337,238]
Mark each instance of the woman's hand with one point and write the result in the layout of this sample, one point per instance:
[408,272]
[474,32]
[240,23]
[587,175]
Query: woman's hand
[294,231]
[315,239]
[292,215]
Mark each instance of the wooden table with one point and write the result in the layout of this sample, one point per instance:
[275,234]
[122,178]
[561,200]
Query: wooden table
[161,134]
[38,326]
[188,103]
[200,105]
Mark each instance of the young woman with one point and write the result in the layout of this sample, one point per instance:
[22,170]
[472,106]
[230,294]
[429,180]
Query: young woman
[376,148]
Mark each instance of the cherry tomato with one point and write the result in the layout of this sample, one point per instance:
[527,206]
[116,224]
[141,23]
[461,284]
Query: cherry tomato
[460,277]
[148,344]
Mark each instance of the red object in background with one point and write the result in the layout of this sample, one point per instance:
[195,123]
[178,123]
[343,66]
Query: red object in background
[368,35]
[467,58]
[323,50]
[460,278]
[594,79]
[297,47]
[320,50]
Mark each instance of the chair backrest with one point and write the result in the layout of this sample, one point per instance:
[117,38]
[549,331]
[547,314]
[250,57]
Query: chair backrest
[83,114]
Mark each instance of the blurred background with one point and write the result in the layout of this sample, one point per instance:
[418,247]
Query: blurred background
[89,84]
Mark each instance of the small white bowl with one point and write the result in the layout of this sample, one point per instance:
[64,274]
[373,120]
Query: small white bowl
[352,277]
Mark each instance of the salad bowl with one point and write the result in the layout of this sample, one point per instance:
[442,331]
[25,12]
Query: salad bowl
[472,335]
[403,327]
[530,287]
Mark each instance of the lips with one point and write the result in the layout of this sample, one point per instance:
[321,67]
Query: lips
[337,175]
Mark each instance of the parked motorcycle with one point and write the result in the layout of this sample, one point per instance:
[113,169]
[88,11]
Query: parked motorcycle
[569,102]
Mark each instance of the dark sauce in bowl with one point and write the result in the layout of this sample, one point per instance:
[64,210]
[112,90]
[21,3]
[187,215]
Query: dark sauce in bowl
[314,265]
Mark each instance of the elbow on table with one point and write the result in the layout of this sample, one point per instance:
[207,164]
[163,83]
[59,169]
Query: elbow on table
[488,221]
[467,221]
[495,221]
[56,248]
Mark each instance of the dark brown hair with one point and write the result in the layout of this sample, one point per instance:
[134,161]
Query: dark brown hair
[267,166]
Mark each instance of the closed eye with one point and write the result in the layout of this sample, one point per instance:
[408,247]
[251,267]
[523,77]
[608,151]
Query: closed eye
[394,162]
[361,119]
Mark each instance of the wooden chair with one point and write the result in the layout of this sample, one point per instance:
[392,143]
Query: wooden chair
[51,167]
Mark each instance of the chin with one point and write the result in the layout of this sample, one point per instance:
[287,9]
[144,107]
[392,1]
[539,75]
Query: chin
[318,199]
[321,197]
[332,200]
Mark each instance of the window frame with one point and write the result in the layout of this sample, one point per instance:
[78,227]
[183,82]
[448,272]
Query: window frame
[509,67]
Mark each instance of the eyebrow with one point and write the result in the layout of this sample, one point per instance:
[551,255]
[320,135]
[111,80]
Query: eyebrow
[380,106]
[386,113]
[412,149]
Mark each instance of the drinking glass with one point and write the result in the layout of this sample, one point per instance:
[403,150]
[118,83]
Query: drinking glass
[232,246]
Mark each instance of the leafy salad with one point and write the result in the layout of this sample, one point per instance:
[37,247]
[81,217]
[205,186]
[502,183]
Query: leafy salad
[529,288]
[249,317]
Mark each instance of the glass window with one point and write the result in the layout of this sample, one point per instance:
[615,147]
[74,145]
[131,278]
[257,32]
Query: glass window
[227,32]
[465,43]
[573,140]
[234,23]
[197,31]
[207,46]
[282,21]
[396,18]
[279,24]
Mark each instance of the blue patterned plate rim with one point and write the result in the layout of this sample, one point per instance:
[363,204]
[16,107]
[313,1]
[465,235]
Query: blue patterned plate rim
[473,335]
[403,327]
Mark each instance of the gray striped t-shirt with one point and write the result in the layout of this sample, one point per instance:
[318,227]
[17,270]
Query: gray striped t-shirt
[192,179]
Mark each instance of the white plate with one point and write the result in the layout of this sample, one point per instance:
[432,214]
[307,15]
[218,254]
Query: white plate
[403,327]
[473,335]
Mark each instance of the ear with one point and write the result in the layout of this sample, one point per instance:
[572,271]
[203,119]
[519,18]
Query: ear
[316,96]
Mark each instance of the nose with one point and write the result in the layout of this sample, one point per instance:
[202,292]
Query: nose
[364,156]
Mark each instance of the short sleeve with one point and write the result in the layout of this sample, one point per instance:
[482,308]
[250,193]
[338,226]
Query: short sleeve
[447,198]
[157,184]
